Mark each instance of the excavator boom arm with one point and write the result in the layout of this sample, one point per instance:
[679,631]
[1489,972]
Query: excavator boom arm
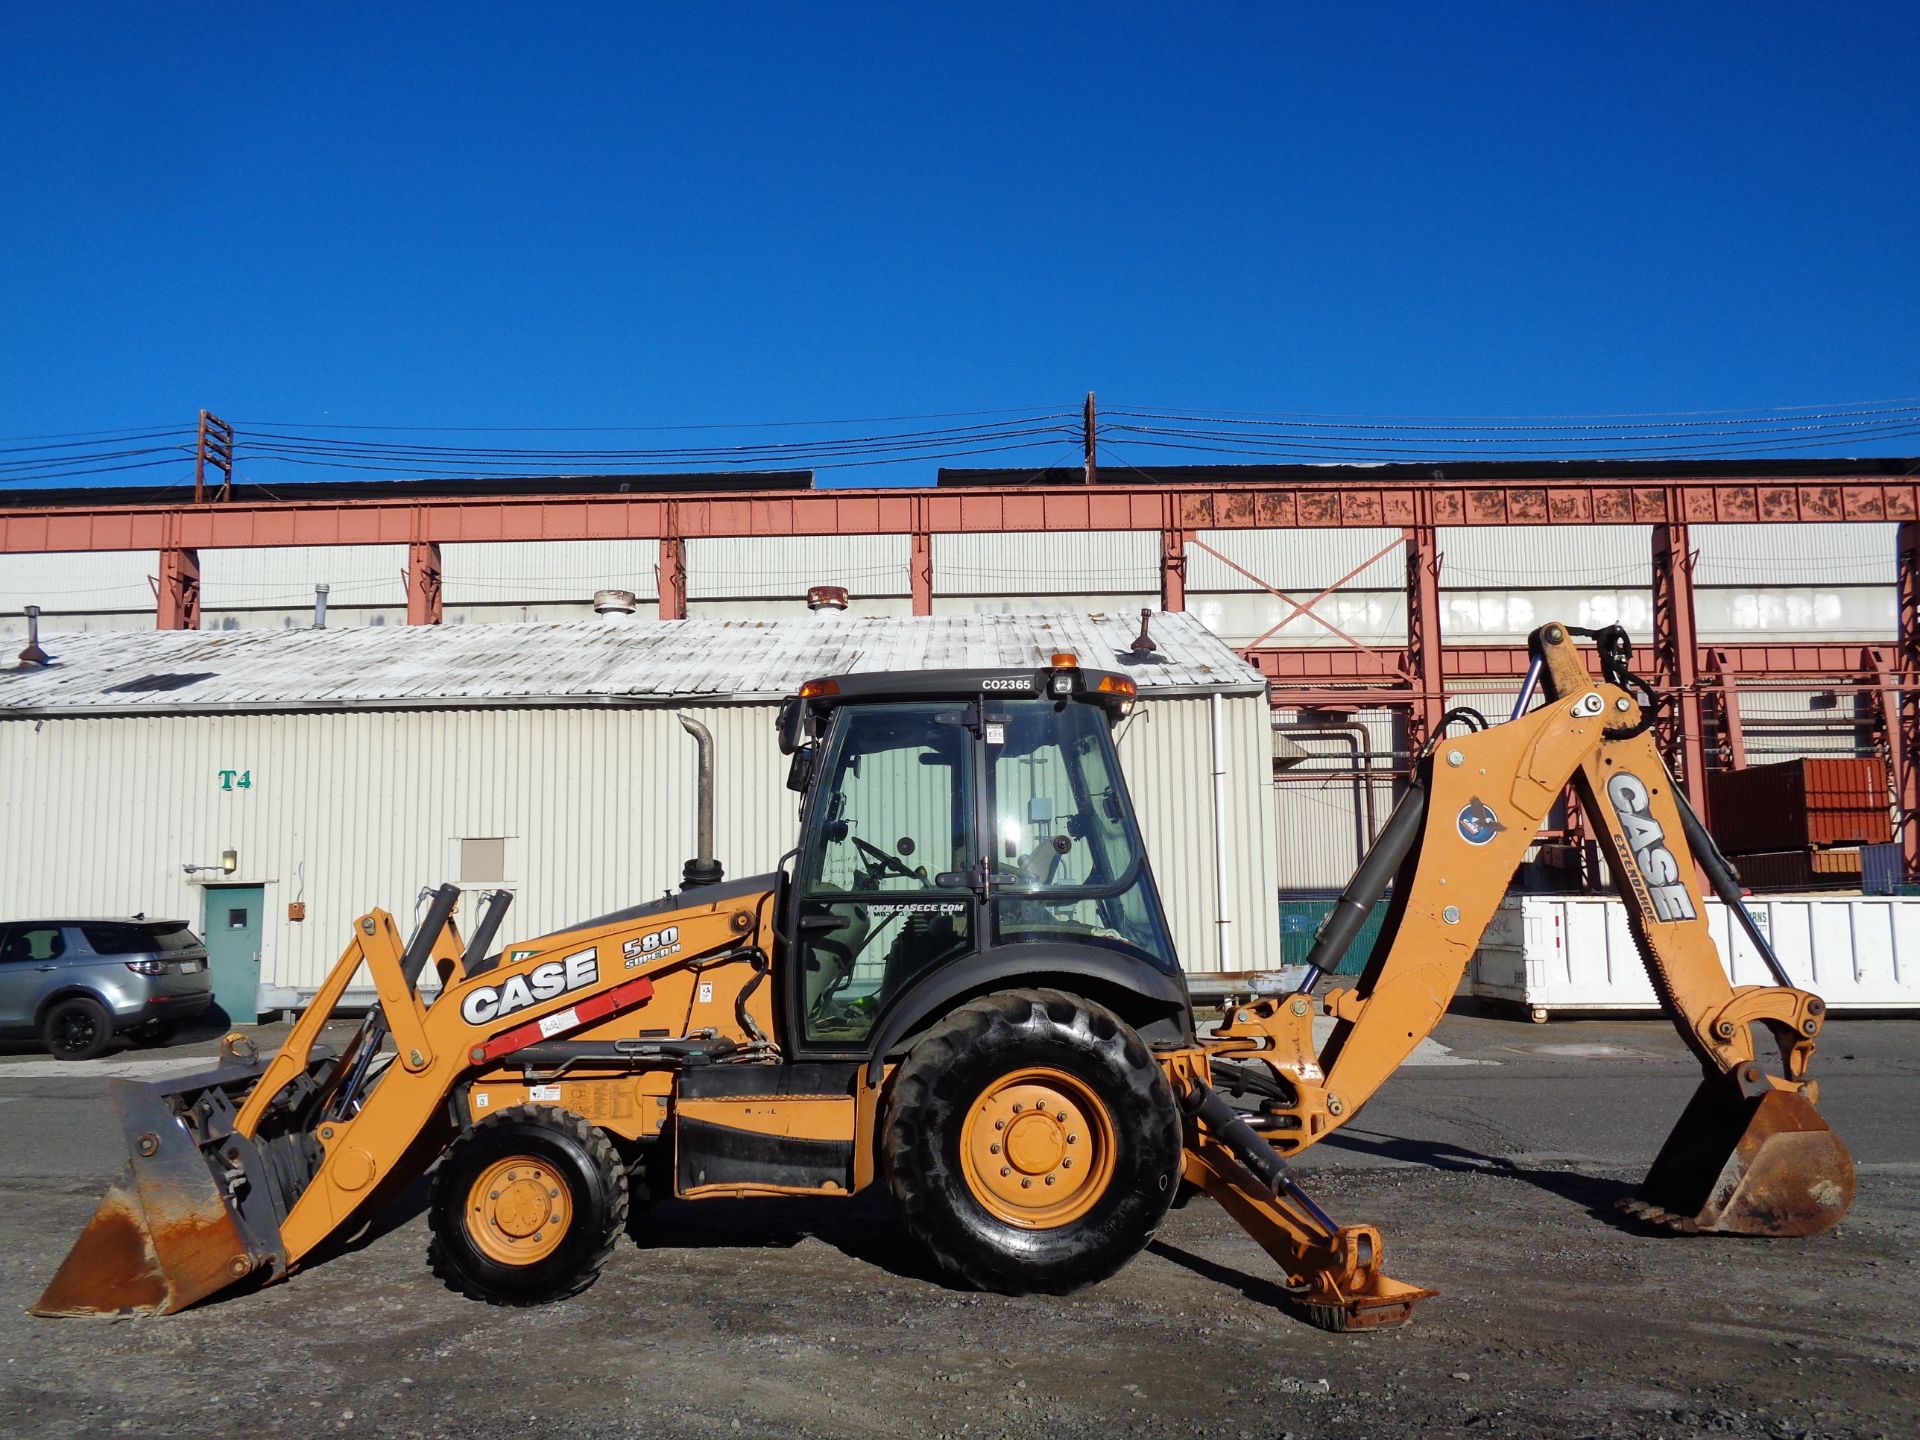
[1750,1154]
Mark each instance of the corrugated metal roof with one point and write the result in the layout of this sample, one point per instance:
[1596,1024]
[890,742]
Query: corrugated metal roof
[171,672]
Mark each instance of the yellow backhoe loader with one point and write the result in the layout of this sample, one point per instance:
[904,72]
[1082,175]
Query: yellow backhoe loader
[962,986]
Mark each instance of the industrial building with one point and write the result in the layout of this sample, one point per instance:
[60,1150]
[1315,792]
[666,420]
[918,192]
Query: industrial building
[297,778]
[1776,604]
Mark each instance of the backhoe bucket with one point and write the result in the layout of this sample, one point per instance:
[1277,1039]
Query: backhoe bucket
[167,1234]
[1740,1164]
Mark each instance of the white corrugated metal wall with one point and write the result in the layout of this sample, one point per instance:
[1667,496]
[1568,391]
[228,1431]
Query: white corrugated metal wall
[346,811]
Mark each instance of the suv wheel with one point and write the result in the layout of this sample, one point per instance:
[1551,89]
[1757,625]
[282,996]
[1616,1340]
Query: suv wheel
[77,1029]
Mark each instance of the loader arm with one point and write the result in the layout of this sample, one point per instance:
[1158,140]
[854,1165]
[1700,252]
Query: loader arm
[246,1172]
[1750,1155]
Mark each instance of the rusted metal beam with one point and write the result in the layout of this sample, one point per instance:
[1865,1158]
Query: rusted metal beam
[1425,653]
[423,583]
[1173,569]
[1903,728]
[673,578]
[177,590]
[1724,700]
[1464,665]
[1676,661]
[920,573]
[1079,507]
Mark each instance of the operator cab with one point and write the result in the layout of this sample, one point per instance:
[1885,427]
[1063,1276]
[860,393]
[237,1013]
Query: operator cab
[949,815]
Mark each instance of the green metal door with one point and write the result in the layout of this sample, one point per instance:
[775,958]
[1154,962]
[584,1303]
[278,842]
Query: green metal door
[231,928]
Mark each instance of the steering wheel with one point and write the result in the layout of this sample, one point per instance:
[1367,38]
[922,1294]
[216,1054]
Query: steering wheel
[883,859]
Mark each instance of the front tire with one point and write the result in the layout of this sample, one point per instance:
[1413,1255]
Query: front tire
[77,1029]
[525,1208]
[1031,1142]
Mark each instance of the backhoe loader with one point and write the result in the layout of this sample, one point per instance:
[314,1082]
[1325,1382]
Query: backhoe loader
[960,984]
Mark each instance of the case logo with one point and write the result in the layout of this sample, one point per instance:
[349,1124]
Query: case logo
[1478,823]
[543,982]
[1666,892]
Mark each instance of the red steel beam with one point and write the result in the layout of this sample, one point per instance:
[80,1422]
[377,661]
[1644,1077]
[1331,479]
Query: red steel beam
[177,590]
[1173,569]
[423,583]
[1676,661]
[1425,658]
[1464,664]
[673,578]
[920,572]
[1903,719]
[401,520]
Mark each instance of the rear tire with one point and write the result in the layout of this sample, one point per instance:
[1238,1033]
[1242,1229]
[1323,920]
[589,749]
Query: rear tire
[525,1208]
[77,1029]
[1003,1192]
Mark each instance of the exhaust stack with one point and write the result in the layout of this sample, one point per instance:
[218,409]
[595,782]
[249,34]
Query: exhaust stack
[33,654]
[320,606]
[702,869]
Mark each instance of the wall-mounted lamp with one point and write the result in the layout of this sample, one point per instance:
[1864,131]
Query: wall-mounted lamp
[229,862]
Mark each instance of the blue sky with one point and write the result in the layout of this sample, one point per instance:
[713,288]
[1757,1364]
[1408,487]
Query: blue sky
[493,215]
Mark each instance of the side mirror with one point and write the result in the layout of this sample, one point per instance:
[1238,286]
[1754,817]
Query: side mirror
[800,772]
[791,718]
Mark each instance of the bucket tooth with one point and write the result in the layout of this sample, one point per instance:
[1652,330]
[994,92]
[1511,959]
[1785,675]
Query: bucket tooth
[1747,1164]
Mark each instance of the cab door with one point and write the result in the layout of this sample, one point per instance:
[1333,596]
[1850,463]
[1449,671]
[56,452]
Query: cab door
[890,814]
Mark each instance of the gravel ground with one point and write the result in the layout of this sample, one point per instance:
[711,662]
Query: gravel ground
[801,1318]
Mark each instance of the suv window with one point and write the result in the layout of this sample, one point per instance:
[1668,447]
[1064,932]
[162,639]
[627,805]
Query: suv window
[28,943]
[107,939]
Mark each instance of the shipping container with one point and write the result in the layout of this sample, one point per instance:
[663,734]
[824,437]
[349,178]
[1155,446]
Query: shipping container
[1772,870]
[1800,804]
[1547,953]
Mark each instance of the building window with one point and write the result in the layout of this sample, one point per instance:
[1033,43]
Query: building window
[483,860]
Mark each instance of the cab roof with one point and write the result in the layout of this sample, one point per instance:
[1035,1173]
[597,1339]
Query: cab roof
[1008,682]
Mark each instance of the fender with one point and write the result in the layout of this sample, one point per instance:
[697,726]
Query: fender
[1025,966]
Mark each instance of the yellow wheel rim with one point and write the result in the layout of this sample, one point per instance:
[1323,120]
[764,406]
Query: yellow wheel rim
[1037,1148]
[518,1210]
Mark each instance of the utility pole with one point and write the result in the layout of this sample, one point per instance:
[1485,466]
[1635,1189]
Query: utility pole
[1088,421]
[215,448]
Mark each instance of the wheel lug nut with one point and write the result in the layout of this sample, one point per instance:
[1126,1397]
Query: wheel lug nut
[1073,1139]
[1067,1164]
[493,1195]
[993,1149]
[1026,1184]
[1005,1171]
[1061,1117]
[1017,1107]
[999,1124]
[555,1194]
[1049,1179]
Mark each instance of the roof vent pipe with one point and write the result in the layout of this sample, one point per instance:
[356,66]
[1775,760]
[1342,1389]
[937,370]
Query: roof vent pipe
[827,598]
[33,654]
[615,607]
[320,607]
[1143,643]
[702,869]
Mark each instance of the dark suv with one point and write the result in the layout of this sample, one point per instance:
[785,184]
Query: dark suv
[78,983]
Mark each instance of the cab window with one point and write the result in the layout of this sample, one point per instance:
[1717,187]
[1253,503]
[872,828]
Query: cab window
[1067,865]
[890,812]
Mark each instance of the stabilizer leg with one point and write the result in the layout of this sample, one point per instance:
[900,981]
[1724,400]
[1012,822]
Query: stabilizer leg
[1333,1271]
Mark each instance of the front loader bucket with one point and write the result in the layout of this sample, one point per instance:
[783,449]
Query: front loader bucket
[1740,1164]
[166,1235]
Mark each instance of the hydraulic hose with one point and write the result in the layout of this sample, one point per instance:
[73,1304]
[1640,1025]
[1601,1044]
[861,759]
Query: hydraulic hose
[1369,883]
[1259,1159]
[1726,884]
